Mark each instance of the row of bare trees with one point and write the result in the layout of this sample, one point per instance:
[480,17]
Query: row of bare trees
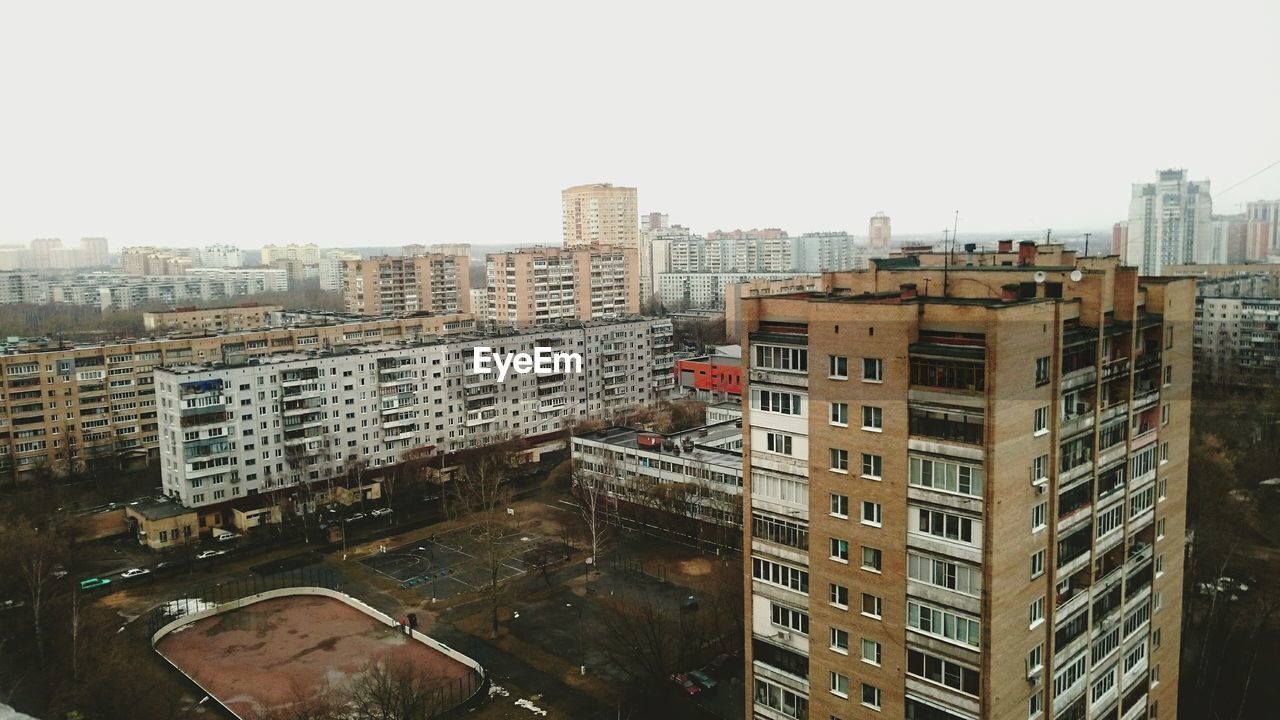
[384,689]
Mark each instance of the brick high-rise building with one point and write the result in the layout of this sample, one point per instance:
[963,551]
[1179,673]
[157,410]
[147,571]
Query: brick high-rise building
[398,284]
[879,231]
[600,214]
[533,286]
[965,490]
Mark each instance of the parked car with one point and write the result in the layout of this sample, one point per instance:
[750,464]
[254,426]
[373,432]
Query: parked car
[209,553]
[690,687]
[134,573]
[94,583]
[430,498]
[702,679]
[166,565]
[356,516]
[381,512]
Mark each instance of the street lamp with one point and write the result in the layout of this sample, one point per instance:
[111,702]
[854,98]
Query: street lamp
[582,669]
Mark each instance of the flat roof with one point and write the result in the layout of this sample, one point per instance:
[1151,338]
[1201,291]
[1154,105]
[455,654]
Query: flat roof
[627,438]
[158,508]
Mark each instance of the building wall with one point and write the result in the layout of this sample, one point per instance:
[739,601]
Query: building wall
[533,286]
[270,425]
[600,214]
[1170,223]
[216,320]
[392,285]
[108,403]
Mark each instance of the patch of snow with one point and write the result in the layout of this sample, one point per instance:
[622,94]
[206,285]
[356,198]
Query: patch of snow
[8,713]
[184,606]
[496,689]
[530,707]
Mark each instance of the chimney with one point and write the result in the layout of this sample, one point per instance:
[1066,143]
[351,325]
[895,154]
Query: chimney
[1027,252]
[1009,292]
[1004,246]
[906,291]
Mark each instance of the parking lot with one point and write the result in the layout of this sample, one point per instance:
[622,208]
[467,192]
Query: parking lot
[450,564]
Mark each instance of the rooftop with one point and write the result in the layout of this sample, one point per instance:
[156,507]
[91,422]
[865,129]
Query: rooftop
[158,508]
[696,444]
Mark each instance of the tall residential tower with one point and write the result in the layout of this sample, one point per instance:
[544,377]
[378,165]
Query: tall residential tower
[965,490]
[1170,223]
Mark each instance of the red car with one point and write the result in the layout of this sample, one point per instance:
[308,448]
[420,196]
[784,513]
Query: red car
[689,686]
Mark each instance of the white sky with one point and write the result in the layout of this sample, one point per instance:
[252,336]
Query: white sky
[364,123]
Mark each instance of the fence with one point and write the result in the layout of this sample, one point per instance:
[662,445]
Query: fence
[225,592]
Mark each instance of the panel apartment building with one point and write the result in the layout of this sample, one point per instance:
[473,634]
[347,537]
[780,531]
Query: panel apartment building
[968,503]
[538,285]
[396,284]
[231,432]
[63,407]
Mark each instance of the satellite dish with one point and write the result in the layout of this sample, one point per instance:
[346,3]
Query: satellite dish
[1076,276]
[1039,276]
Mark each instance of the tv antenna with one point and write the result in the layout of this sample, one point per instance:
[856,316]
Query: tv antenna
[1086,244]
[946,258]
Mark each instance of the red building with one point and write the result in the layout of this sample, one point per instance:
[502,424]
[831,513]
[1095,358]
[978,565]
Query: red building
[711,377]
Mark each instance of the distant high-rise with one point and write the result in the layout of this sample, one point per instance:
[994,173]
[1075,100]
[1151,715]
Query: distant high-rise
[396,284]
[1170,223]
[600,214]
[655,221]
[222,256]
[1262,240]
[1229,237]
[536,285]
[880,231]
[1119,238]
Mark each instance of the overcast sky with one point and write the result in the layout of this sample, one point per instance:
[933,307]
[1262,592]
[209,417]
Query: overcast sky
[364,123]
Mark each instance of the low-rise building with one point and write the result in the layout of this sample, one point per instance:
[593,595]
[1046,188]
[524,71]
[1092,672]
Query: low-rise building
[716,376]
[250,316]
[653,479]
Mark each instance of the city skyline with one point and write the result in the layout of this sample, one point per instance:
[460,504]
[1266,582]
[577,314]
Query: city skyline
[355,138]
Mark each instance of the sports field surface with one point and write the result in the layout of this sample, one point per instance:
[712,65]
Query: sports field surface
[268,654]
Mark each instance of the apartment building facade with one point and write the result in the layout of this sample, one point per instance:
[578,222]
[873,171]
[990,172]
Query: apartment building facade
[116,291]
[707,290]
[249,316]
[397,284]
[64,407]
[539,285]
[1237,339]
[283,420]
[968,503]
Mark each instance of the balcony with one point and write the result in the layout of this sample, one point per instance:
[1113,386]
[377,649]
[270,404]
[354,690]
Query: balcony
[1076,423]
[1145,397]
[1079,378]
[776,377]
[1115,368]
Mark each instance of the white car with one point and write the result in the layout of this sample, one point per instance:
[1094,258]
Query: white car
[381,511]
[209,553]
[135,572]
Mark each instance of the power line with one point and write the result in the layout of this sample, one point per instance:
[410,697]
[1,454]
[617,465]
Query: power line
[1233,187]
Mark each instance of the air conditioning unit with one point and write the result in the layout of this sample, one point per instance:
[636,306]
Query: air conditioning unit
[1082,408]
[1040,488]
[784,635]
[1033,673]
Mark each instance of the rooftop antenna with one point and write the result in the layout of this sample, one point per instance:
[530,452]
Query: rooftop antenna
[1047,234]
[1086,244]
[946,258]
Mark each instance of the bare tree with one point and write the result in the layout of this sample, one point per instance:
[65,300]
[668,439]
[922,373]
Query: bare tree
[648,639]
[484,490]
[319,703]
[591,493]
[31,554]
[395,690]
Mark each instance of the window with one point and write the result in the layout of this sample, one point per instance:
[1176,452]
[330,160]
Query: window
[780,699]
[1162,489]
[839,596]
[1155,639]
[871,651]
[791,619]
[1135,656]
[1040,470]
[1164,453]
[774,401]
[943,672]
[1035,611]
[1040,424]
[872,559]
[1071,673]
[839,460]
[1159,565]
[1110,520]
[942,623]
[783,532]
[947,574]
[1035,659]
[778,443]
[840,641]
[951,374]
[1037,564]
[790,359]
[872,418]
[945,476]
[1142,501]
[871,605]
[871,696]
[872,370]
[1159,528]
[840,414]
[1168,375]
[780,575]
[946,424]
[1168,338]
[839,684]
[1104,645]
[871,466]
[839,550]
[1155,676]
[1103,685]
[838,367]
[871,512]
[943,525]
[840,505]
[1035,705]
[1042,371]
[1038,514]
